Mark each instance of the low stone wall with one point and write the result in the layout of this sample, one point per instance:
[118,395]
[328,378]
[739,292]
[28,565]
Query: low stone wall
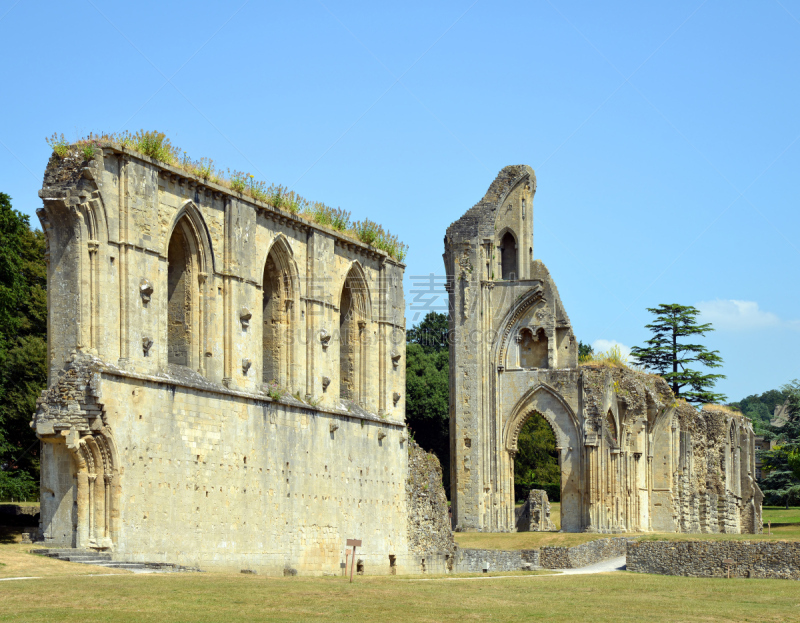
[478,560]
[751,559]
[582,555]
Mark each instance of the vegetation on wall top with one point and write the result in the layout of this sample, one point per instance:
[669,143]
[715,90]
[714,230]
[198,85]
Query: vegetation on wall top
[156,145]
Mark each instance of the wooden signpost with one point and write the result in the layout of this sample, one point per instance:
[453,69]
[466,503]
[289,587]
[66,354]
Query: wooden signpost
[351,543]
[729,562]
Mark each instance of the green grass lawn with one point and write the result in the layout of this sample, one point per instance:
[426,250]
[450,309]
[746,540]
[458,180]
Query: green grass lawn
[785,527]
[66,593]
[229,598]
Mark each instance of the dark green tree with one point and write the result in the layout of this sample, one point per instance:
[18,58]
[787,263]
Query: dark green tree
[781,485]
[668,354]
[536,461]
[23,348]
[585,351]
[430,333]
[761,407]
[428,388]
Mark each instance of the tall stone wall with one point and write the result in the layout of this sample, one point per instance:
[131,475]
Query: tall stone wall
[226,379]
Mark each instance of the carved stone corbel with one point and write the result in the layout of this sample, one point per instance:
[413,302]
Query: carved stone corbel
[324,337]
[244,317]
[145,290]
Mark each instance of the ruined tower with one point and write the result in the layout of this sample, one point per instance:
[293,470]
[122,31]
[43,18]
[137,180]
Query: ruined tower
[626,447]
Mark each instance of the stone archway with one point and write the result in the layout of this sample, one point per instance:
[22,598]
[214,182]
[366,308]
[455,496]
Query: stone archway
[548,403]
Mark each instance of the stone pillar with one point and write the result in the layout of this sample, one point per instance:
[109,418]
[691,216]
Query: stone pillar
[82,536]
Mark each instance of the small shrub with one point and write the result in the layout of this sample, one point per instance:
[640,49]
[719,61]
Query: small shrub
[256,189]
[274,391]
[322,214]
[205,168]
[156,145]
[367,231]
[89,151]
[59,145]
[238,181]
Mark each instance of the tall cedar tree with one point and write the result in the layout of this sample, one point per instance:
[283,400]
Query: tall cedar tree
[428,388]
[666,353]
[23,348]
[781,485]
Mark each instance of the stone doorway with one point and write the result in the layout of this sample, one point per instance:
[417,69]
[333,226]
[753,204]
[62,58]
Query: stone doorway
[537,468]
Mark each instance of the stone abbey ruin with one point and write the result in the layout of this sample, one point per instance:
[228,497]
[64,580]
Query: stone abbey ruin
[226,387]
[632,458]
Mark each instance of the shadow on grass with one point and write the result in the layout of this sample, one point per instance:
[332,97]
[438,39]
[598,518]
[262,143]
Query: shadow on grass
[10,534]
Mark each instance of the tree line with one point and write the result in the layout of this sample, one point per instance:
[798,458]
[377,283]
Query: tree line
[23,349]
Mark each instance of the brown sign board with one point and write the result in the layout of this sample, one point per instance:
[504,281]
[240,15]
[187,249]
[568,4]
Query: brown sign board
[728,561]
[353,542]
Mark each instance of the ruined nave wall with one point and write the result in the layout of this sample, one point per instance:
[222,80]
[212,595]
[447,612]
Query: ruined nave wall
[211,479]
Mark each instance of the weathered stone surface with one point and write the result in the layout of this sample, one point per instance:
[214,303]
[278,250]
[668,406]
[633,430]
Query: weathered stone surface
[480,560]
[632,458]
[428,514]
[750,559]
[534,515]
[581,555]
[222,385]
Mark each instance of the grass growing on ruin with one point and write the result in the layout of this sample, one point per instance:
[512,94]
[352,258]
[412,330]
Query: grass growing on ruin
[158,146]
[233,598]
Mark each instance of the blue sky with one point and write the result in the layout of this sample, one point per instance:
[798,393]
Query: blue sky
[664,135]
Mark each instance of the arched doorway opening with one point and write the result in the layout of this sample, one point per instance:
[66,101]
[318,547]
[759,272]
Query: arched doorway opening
[537,468]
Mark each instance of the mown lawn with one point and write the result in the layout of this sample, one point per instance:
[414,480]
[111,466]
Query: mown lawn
[785,527]
[231,598]
[69,592]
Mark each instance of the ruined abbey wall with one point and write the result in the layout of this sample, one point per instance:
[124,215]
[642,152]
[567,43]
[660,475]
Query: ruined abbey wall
[632,458]
[226,379]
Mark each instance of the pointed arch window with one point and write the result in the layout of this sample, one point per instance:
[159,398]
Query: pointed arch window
[353,316]
[508,256]
[278,316]
[183,295]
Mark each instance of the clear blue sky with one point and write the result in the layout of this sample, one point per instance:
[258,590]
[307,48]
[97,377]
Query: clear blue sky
[664,135]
